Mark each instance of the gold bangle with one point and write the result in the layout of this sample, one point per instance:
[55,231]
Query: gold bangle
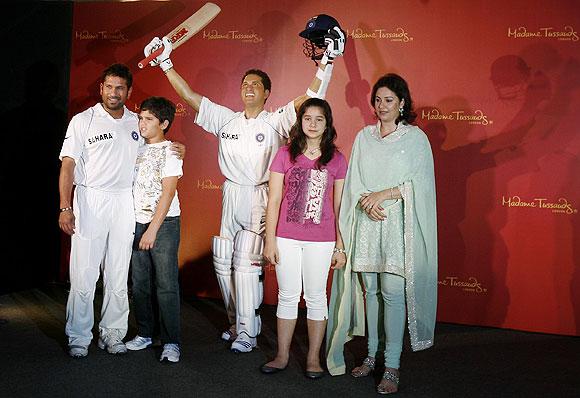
[63,209]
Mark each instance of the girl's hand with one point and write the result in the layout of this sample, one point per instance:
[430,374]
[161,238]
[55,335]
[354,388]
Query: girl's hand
[270,253]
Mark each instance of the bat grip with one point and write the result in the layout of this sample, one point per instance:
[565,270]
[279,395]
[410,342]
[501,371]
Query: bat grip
[151,57]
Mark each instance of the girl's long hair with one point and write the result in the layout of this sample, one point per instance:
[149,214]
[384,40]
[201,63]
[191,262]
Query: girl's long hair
[298,143]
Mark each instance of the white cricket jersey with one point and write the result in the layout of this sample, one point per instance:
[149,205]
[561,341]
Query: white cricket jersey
[154,162]
[246,146]
[104,149]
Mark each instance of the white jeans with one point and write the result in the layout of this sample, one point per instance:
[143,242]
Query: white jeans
[303,263]
[105,225]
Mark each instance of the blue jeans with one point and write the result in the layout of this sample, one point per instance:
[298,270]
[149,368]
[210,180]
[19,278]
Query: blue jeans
[157,271]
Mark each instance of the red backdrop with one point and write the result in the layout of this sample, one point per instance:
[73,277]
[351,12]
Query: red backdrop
[495,85]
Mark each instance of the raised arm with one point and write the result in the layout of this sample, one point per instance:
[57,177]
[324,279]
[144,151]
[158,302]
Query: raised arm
[183,90]
[335,40]
[164,62]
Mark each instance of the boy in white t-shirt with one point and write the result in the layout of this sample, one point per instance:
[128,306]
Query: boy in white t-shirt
[157,232]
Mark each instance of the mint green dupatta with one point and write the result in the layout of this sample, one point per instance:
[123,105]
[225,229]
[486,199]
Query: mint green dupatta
[402,159]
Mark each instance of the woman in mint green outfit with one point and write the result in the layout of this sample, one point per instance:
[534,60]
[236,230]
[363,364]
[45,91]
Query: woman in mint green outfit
[389,224]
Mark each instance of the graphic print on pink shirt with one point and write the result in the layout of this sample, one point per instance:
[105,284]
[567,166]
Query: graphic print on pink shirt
[306,211]
[306,188]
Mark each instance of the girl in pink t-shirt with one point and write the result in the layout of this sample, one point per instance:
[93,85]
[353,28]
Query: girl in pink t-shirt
[303,240]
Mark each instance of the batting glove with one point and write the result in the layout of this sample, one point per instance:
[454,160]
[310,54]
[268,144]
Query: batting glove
[162,60]
[335,40]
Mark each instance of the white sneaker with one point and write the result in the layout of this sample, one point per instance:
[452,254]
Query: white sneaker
[170,352]
[138,343]
[243,343]
[78,351]
[112,342]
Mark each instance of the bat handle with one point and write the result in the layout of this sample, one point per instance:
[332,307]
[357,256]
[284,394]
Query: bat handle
[151,57]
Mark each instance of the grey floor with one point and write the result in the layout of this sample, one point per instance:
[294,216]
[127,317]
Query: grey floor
[465,361]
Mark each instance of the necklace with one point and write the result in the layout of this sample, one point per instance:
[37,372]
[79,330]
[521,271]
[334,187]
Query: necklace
[312,151]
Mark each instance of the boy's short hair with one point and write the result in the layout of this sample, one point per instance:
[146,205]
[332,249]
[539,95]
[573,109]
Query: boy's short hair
[162,108]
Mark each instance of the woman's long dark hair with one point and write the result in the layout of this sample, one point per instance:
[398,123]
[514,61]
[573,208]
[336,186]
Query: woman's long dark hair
[399,86]
[298,143]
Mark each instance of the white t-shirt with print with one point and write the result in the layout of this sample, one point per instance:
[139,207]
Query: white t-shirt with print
[154,162]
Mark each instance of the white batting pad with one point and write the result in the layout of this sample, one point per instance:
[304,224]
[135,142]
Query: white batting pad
[223,249]
[248,263]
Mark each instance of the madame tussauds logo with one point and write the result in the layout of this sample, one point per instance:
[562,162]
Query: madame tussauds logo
[471,284]
[561,206]
[246,37]
[207,184]
[522,32]
[477,117]
[180,110]
[116,36]
[399,34]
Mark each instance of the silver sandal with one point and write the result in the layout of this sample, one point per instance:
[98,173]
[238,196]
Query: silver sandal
[390,376]
[369,362]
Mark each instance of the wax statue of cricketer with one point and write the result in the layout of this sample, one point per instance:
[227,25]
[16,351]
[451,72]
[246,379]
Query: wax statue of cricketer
[248,141]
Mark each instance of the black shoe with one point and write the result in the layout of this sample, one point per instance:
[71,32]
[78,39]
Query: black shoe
[268,370]
[314,375]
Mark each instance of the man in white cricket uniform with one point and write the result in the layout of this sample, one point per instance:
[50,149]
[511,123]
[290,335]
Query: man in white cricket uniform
[98,156]
[248,141]
[246,149]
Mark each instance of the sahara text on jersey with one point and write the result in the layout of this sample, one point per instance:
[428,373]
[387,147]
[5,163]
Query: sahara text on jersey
[100,137]
[230,136]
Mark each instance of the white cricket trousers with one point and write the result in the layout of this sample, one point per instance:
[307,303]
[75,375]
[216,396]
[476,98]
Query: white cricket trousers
[303,263]
[104,229]
[243,207]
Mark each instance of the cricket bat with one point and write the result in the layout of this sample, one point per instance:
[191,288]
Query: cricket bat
[187,29]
